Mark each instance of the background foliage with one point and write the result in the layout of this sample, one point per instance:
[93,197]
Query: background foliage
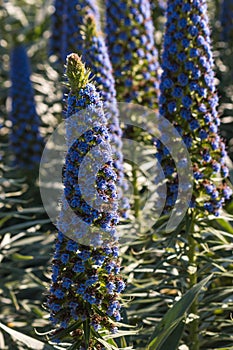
[156,265]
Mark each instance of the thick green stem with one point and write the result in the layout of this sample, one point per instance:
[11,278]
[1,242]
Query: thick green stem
[192,255]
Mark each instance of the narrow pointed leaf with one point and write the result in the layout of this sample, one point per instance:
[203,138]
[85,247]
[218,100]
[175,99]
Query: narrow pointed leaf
[31,343]
[174,316]
[86,328]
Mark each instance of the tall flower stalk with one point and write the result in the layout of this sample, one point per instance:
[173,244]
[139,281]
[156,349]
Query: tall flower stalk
[25,140]
[85,279]
[59,30]
[66,21]
[227,20]
[189,101]
[80,32]
[97,59]
[130,39]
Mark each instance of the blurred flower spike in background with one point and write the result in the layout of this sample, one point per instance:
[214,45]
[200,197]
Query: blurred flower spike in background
[26,142]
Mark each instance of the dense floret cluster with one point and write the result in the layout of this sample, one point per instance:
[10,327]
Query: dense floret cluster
[66,22]
[26,143]
[88,99]
[189,101]
[85,278]
[82,278]
[97,59]
[130,39]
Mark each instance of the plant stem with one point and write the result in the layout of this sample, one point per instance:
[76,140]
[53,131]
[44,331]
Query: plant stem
[192,256]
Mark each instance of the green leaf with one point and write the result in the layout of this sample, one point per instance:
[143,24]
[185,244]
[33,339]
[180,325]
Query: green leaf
[2,341]
[119,334]
[111,342]
[164,334]
[111,347]
[170,323]
[87,333]
[5,218]
[174,337]
[65,332]
[24,225]
[25,339]
[18,256]
[75,346]
[106,344]
[123,342]
[225,225]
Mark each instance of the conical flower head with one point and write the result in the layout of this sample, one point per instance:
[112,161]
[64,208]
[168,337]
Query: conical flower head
[85,104]
[78,10]
[25,140]
[130,39]
[97,59]
[189,100]
[66,23]
[85,278]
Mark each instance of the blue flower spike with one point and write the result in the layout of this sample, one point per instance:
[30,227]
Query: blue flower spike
[66,22]
[86,282]
[130,39]
[97,59]
[189,101]
[26,142]
[226,19]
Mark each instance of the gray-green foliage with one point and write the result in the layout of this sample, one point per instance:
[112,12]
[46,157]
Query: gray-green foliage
[155,263]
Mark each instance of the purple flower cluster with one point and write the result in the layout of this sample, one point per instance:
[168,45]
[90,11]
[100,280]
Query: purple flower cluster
[26,142]
[85,279]
[189,101]
[130,39]
[66,23]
